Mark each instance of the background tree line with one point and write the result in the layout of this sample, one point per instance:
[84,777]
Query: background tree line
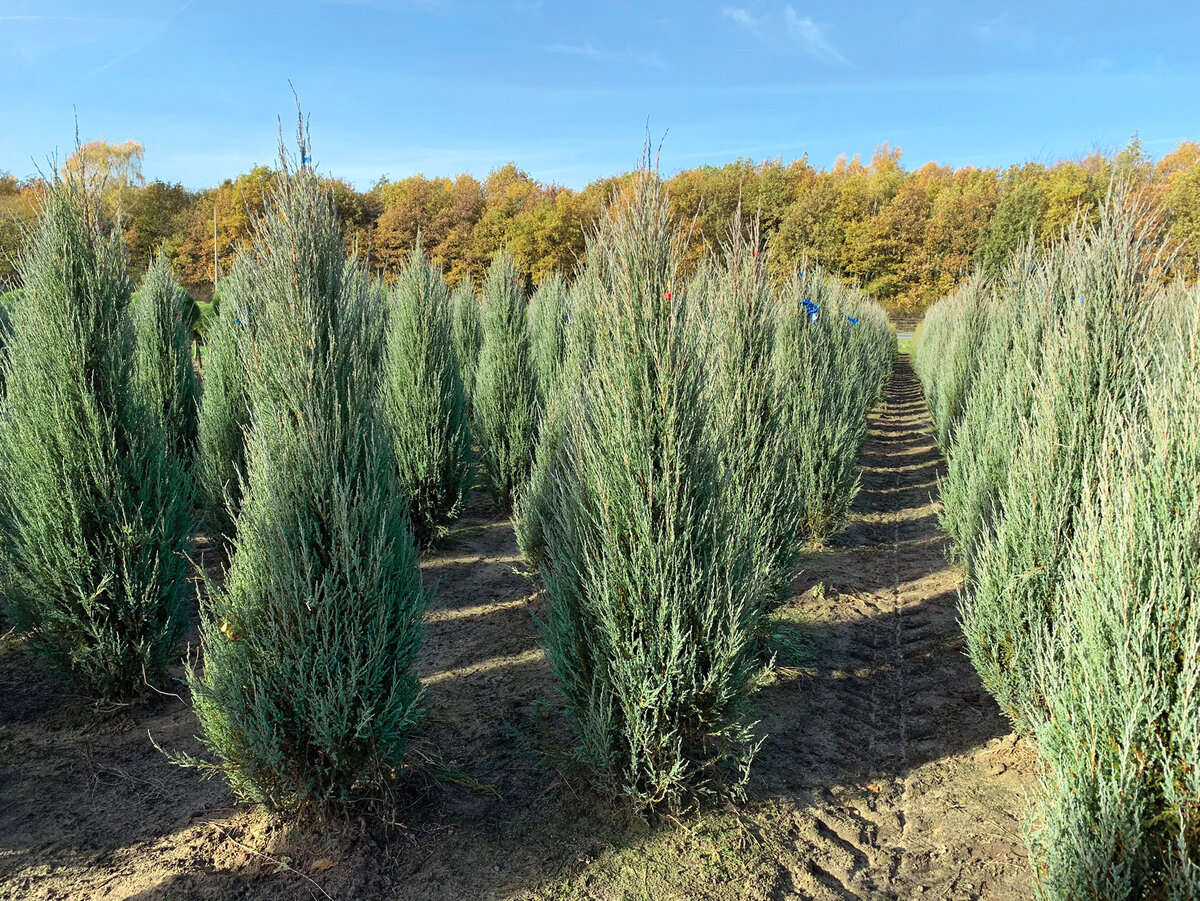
[906,236]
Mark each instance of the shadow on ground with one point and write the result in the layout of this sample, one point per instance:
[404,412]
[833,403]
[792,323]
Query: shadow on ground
[880,691]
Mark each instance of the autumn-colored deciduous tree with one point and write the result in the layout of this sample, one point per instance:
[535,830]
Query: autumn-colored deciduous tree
[154,217]
[237,203]
[18,212]
[108,169]
[1178,178]
[443,211]
[908,236]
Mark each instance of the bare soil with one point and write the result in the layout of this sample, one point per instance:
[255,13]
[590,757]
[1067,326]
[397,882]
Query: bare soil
[886,772]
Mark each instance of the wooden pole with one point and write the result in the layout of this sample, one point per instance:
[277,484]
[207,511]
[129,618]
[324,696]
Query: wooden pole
[216,270]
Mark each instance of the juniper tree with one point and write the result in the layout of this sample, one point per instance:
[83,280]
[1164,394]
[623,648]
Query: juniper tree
[997,395]
[468,334]
[161,313]
[652,599]
[558,396]
[748,408]
[547,325]
[307,696]
[1085,364]
[94,505]
[831,364]
[223,413]
[1119,732]
[423,398]
[506,396]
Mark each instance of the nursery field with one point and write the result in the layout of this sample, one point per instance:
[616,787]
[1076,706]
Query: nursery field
[886,772]
[661,578]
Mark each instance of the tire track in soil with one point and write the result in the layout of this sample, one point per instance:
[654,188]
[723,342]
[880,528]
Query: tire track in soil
[910,783]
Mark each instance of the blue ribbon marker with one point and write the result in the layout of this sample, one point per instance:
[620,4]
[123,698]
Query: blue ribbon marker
[852,320]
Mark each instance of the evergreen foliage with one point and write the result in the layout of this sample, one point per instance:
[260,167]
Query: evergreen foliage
[547,315]
[423,398]
[997,394]
[1072,496]
[831,372]
[558,396]
[94,505]
[224,412]
[307,694]
[733,306]
[652,601]
[161,313]
[1085,362]
[1119,813]
[506,405]
[468,335]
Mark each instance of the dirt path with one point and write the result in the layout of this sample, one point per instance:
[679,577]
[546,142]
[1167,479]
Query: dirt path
[917,782]
[886,771]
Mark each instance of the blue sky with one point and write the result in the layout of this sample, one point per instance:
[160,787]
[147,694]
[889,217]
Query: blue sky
[566,89]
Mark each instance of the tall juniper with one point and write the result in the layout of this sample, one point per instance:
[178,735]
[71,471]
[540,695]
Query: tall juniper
[95,507]
[652,599]
[506,406]
[161,313]
[424,399]
[307,695]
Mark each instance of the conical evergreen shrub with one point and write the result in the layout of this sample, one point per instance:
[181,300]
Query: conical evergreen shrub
[161,312]
[506,396]
[95,508]
[998,394]
[468,334]
[652,599]
[1086,363]
[558,396]
[423,398]
[1119,814]
[1072,495]
[831,371]
[8,303]
[307,694]
[748,410]
[224,412]
[547,315]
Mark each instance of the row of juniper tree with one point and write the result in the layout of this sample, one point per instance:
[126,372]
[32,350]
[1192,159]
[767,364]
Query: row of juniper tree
[667,445]
[1067,398]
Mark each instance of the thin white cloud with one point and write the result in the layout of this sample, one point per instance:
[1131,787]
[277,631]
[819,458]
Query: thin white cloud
[786,29]
[154,36]
[811,37]
[26,39]
[584,50]
[744,18]
[588,50]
